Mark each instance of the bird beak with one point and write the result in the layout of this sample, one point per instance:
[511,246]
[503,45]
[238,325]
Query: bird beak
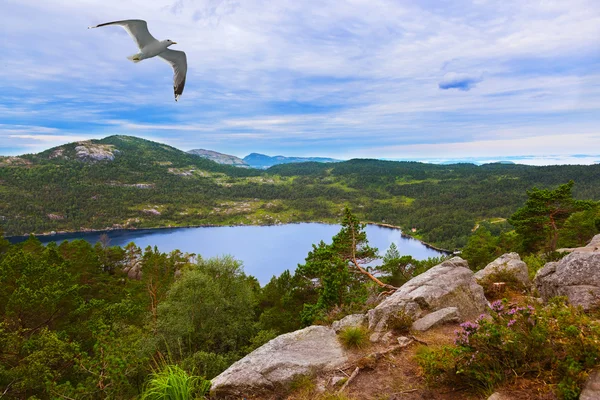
[174,43]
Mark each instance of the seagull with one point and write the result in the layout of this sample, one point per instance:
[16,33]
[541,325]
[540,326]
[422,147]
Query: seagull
[150,47]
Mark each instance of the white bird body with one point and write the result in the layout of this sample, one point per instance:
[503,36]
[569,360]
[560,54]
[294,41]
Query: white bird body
[150,47]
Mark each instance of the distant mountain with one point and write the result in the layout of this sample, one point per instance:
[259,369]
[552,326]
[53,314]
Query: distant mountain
[256,160]
[220,157]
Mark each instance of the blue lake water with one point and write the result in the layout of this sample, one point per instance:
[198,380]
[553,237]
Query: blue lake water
[264,250]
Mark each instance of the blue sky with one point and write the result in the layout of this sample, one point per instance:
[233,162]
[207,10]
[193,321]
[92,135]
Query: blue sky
[419,80]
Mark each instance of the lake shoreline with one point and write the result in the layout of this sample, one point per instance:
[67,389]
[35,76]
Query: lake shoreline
[90,230]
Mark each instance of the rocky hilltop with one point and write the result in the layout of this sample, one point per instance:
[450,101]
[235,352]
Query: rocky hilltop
[220,157]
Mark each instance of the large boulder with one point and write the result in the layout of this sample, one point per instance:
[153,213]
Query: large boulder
[449,284]
[274,365]
[510,263]
[445,315]
[576,276]
[349,321]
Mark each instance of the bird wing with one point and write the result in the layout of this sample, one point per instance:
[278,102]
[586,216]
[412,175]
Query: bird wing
[137,29]
[178,61]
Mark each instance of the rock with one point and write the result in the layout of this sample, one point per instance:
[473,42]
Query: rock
[275,364]
[591,390]
[88,151]
[353,320]
[403,341]
[448,314]
[449,284]
[498,396]
[509,262]
[576,276]
[335,381]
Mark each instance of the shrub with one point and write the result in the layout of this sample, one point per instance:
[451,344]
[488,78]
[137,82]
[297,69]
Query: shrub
[401,322]
[534,264]
[501,275]
[208,364]
[354,337]
[558,343]
[174,383]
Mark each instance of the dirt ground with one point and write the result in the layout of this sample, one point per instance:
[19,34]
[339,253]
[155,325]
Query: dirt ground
[397,376]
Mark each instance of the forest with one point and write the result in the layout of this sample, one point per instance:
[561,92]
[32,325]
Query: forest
[83,321]
[146,184]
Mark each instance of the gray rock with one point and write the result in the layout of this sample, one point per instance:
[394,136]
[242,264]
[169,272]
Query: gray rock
[509,262]
[353,320]
[449,284]
[448,314]
[275,364]
[498,396]
[576,276]
[336,380]
[591,390]
[403,341]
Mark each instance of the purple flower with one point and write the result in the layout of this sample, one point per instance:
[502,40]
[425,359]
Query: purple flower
[511,322]
[469,327]
[512,311]
[497,306]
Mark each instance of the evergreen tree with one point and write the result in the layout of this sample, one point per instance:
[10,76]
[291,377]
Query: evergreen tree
[545,212]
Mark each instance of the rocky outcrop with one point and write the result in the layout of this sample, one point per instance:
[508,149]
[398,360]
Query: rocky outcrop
[449,284]
[510,263]
[445,315]
[591,390]
[353,320]
[88,151]
[576,276]
[275,364]
[220,157]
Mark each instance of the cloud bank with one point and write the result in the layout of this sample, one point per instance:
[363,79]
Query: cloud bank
[323,77]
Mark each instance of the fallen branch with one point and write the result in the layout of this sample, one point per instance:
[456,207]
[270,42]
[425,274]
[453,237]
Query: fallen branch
[418,340]
[356,370]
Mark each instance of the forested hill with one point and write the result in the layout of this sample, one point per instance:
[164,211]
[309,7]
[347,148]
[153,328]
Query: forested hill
[122,181]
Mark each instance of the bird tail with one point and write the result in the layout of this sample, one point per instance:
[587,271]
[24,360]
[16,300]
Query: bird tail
[136,58]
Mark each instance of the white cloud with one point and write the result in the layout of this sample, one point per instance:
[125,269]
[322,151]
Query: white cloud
[357,71]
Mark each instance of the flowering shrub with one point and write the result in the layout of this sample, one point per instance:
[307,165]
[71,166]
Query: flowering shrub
[558,343]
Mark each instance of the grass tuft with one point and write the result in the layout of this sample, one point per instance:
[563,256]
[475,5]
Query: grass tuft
[354,337]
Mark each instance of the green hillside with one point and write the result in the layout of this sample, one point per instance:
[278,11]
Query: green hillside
[127,182]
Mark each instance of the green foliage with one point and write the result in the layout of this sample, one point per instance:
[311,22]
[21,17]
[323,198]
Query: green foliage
[436,362]
[543,216]
[174,383]
[514,342]
[188,318]
[334,266]
[481,249]
[397,269]
[534,264]
[208,364]
[354,337]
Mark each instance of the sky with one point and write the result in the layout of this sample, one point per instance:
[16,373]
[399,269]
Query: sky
[414,80]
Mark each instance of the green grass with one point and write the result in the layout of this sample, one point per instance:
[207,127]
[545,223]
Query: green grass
[354,337]
[174,383]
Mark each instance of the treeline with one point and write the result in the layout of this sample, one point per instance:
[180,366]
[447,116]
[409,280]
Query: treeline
[442,202]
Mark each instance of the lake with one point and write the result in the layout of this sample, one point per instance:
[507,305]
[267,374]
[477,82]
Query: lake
[264,250]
